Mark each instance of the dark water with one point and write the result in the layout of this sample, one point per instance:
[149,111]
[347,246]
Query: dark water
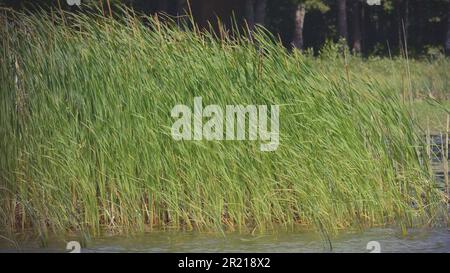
[438,157]
[390,240]
[437,144]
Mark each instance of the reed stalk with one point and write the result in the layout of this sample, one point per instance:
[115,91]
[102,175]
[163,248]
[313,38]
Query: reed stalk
[95,152]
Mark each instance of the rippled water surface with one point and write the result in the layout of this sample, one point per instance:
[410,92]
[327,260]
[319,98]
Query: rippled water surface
[390,240]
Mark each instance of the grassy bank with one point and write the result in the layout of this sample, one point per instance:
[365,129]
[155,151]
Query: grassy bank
[86,145]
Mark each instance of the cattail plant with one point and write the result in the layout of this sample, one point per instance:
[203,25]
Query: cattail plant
[95,151]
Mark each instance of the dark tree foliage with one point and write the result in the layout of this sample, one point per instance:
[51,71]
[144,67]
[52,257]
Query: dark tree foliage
[368,29]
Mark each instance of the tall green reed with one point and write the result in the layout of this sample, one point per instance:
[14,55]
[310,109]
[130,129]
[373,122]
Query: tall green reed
[86,145]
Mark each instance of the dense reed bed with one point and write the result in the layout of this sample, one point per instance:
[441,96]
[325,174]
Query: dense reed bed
[86,145]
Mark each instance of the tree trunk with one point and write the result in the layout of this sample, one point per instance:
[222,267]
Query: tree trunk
[300,13]
[421,14]
[342,20]
[406,21]
[447,40]
[403,24]
[398,6]
[357,46]
[249,14]
[260,12]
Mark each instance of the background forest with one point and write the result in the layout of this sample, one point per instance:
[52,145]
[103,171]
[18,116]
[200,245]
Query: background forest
[369,28]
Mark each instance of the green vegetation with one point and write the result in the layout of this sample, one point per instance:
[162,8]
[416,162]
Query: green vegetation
[86,145]
[431,117]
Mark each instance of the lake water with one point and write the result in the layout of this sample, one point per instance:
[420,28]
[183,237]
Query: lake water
[390,240]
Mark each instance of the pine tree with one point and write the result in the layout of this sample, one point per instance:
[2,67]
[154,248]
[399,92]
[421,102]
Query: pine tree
[301,9]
